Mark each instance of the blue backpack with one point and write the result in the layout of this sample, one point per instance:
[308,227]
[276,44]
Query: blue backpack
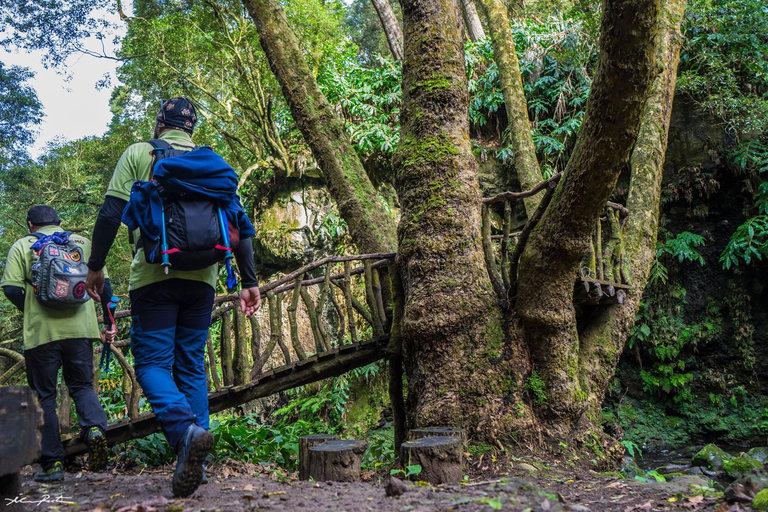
[189,214]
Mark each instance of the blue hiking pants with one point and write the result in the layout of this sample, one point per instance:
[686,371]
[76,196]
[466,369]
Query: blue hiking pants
[168,336]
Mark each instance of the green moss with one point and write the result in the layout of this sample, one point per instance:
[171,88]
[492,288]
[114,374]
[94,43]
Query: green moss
[426,150]
[738,466]
[536,389]
[433,84]
[760,502]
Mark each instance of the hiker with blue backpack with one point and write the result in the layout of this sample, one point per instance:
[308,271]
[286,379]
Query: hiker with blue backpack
[180,203]
[44,278]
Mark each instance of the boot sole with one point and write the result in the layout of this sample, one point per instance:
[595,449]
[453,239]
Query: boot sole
[98,453]
[190,478]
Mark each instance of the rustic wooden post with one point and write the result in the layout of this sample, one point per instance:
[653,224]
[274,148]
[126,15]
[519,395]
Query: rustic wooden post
[132,399]
[240,363]
[370,298]
[505,243]
[336,461]
[307,442]
[379,298]
[440,458]
[322,300]
[292,319]
[490,257]
[340,316]
[20,422]
[313,321]
[212,363]
[65,410]
[275,331]
[348,300]
[255,339]
[227,372]
[276,323]
[599,249]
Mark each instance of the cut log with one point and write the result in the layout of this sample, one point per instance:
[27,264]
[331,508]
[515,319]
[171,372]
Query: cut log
[440,458]
[10,488]
[458,433]
[336,461]
[307,442]
[20,420]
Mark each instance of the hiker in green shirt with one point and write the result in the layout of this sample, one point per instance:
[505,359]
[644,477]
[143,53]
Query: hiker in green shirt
[170,308]
[57,338]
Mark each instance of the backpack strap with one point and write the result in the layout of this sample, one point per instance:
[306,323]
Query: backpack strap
[160,150]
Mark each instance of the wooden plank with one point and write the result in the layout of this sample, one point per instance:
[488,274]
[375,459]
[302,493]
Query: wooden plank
[20,420]
[366,353]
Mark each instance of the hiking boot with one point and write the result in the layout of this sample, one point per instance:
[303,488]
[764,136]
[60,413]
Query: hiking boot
[54,473]
[98,454]
[193,450]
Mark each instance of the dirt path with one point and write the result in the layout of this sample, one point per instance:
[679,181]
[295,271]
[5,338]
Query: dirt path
[236,487]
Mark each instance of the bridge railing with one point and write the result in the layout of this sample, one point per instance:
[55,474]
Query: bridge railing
[601,273]
[313,312]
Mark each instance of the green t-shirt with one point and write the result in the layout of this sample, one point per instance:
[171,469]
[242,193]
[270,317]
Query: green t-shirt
[136,165]
[41,324]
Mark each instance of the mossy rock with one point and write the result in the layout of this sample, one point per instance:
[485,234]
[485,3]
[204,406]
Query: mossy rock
[760,503]
[737,467]
[710,457]
[630,469]
[760,454]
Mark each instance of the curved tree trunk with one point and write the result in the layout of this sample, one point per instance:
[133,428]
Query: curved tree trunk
[391,27]
[524,159]
[472,20]
[370,225]
[451,321]
[604,338]
[550,261]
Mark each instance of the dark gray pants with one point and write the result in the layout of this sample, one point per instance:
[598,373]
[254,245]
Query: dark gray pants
[75,356]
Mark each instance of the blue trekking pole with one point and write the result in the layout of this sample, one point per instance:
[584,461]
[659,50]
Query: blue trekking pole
[231,278]
[164,245]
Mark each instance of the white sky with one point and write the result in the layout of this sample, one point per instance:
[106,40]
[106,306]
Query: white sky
[72,109]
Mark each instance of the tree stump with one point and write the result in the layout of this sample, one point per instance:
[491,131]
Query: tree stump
[458,433]
[307,442]
[440,458]
[336,461]
[20,420]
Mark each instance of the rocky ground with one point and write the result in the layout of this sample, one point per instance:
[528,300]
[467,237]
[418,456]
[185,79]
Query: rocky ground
[235,486]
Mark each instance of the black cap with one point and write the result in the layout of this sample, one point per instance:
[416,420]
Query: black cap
[43,215]
[177,113]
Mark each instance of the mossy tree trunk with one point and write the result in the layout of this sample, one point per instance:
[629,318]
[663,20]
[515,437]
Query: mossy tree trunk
[604,338]
[472,20]
[450,318]
[515,104]
[370,225]
[564,360]
[391,27]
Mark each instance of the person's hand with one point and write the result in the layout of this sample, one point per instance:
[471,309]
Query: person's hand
[250,300]
[108,335]
[94,284]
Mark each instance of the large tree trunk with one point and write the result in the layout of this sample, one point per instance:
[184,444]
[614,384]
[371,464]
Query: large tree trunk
[524,159]
[370,225]
[451,323]
[603,340]
[550,261]
[391,27]
[472,20]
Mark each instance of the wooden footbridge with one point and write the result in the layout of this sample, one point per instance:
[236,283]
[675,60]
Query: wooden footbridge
[338,319]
